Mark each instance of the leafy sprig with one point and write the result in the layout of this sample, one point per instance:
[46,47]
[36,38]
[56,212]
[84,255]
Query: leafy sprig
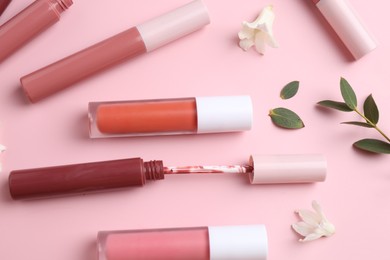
[370,115]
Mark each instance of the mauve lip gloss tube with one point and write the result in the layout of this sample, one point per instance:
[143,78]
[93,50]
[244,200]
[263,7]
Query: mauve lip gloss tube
[128,44]
[33,20]
[193,115]
[347,25]
[3,5]
[244,242]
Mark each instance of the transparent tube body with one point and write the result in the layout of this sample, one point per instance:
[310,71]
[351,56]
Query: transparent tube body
[155,244]
[142,118]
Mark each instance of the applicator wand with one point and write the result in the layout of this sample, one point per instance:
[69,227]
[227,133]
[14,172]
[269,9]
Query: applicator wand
[80,178]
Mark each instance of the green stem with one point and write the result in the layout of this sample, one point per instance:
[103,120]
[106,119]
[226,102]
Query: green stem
[372,124]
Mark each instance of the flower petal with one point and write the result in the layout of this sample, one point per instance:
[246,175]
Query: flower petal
[303,228]
[311,237]
[246,32]
[309,217]
[2,148]
[260,42]
[245,44]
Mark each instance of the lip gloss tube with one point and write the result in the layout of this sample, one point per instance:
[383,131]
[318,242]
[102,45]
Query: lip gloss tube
[247,242]
[84,177]
[126,45]
[170,116]
[3,5]
[78,178]
[33,20]
[345,22]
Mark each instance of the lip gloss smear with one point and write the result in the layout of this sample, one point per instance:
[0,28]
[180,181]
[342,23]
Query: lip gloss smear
[174,115]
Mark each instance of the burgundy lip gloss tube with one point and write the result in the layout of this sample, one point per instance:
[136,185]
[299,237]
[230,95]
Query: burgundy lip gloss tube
[33,20]
[3,5]
[244,242]
[78,178]
[128,44]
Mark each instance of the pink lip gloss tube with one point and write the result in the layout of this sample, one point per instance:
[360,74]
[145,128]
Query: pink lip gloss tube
[247,242]
[128,44]
[345,22]
[33,20]
[170,116]
[3,5]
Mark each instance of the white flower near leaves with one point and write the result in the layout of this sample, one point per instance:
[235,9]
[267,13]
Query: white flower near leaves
[314,224]
[258,32]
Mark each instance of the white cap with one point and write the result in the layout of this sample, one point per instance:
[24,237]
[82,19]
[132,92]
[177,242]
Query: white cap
[299,168]
[238,243]
[348,26]
[174,24]
[224,113]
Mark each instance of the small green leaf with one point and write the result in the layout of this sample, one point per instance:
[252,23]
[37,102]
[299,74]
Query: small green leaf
[364,124]
[371,110]
[286,118]
[289,90]
[335,105]
[348,94]
[373,146]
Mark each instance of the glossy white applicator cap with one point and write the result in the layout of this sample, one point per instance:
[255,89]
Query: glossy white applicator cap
[299,168]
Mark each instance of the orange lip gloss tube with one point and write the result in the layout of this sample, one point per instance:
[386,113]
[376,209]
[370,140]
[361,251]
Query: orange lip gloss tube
[170,116]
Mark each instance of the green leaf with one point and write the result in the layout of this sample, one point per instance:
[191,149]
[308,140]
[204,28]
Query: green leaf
[286,118]
[364,124]
[373,146]
[371,110]
[348,94]
[289,90]
[335,105]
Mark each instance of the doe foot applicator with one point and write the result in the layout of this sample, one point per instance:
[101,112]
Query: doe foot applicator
[80,178]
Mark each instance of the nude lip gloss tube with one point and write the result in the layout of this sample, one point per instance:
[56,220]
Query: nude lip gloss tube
[33,20]
[84,177]
[3,5]
[345,22]
[246,242]
[123,46]
[170,116]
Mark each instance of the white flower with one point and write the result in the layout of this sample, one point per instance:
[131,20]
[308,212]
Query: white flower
[258,32]
[314,224]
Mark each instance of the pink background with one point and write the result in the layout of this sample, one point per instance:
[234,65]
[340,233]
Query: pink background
[54,131]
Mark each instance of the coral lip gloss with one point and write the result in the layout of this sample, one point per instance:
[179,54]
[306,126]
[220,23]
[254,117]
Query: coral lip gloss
[170,116]
[347,25]
[33,20]
[123,46]
[84,177]
[245,242]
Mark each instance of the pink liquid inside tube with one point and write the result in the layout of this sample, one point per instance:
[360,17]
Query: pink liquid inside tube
[169,244]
